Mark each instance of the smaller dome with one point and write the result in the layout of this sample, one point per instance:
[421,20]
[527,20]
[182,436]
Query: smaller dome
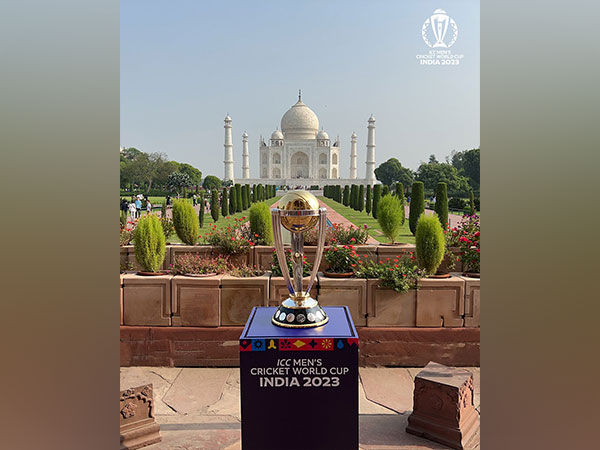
[322,135]
[277,135]
[245,135]
[371,119]
[227,118]
[353,135]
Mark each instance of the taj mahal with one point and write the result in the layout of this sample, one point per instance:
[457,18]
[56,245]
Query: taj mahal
[299,154]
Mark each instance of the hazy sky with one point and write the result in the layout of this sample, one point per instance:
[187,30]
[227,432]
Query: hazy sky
[186,64]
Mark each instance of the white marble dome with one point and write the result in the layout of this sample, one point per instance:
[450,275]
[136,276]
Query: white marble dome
[300,122]
[322,135]
[277,135]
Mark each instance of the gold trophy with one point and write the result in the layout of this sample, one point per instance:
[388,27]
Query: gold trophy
[298,212]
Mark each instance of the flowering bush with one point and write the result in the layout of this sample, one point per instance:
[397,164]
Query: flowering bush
[399,274]
[167,226]
[232,240]
[466,236]
[125,236]
[194,264]
[276,270]
[341,259]
[349,235]
[311,237]
[245,271]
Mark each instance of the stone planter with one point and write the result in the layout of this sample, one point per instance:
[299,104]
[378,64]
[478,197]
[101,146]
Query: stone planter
[132,259]
[240,295]
[121,301]
[441,302]
[196,301]
[123,256]
[394,251]
[205,251]
[369,250]
[445,265]
[278,290]
[350,292]
[263,256]
[147,300]
[472,302]
[388,308]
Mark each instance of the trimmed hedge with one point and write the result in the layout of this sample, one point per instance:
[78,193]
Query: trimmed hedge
[389,216]
[430,243]
[360,206]
[346,196]
[441,204]
[214,205]
[149,243]
[376,199]
[417,205]
[261,224]
[369,201]
[224,203]
[185,222]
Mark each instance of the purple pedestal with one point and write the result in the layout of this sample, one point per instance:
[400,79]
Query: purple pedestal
[299,387]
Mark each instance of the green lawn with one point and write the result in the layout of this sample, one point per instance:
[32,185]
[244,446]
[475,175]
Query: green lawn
[362,218]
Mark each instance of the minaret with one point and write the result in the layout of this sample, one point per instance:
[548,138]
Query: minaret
[245,157]
[370,175]
[228,162]
[353,157]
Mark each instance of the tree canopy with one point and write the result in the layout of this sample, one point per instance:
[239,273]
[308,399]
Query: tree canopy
[392,171]
[433,173]
[467,164]
[177,181]
[211,182]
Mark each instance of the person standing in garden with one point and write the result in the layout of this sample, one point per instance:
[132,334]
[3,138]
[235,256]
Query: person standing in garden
[148,207]
[138,208]
[132,210]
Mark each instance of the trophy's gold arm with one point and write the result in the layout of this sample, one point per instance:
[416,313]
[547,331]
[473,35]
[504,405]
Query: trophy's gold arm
[278,241]
[320,247]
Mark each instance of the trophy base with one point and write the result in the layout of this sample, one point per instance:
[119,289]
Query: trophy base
[291,314]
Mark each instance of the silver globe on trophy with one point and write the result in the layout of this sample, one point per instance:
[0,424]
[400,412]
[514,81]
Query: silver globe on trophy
[298,212]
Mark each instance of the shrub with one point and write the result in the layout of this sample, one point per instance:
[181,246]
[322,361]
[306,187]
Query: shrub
[163,209]
[185,222]
[456,203]
[123,219]
[399,274]
[441,204]
[125,236]
[346,196]
[167,226]
[430,243]
[261,224]
[224,204]
[417,205]
[338,194]
[369,201]
[232,201]
[360,204]
[341,259]
[247,196]
[149,243]
[472,203]
[399,191]
[478,204]
[466,235]
[276,269]
[376,199]
[238,197]
[214,205]
[254,199]
[245,271]
[201,214]
[194,264]
[386,190]
[311,236]
[231,240]
[349,235]
[389,216]
[353,196]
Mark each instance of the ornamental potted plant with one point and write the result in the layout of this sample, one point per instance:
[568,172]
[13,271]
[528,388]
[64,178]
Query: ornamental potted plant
[233,241]
[341,261]
[149,245]
[194,265]
[430,245]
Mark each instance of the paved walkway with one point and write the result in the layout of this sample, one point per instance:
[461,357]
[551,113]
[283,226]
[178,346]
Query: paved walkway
[199,408]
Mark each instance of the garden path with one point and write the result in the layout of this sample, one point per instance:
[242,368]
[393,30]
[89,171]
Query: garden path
[199,408]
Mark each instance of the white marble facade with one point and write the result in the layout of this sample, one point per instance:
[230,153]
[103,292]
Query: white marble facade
[299,153]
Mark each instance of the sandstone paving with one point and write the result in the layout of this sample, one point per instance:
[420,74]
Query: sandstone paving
[199,408]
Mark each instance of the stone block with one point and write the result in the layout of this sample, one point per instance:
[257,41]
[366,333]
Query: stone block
[394,251]
[121,301]
[243,258]
[132,259]
[472,301]
[123,256]
[350,292]
[441,302]
[443,407]
[240,295]
[147,300]
[367,252]
[278,290]
[138,427]
[263,256]
[310,251]
[196,301]
[388,308]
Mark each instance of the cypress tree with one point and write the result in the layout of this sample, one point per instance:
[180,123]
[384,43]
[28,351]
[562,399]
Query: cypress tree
[400,195]
[201,212]
[417,205]
[214,205]
[386,190]
[346,197]
[259,193]
[248,199]
[441,204]
[339,194]
[238,197]
[361,198]
[224,204]
[376,198]
[369,201]
[253,193]
[232,201]
[353,196]
[472,202]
